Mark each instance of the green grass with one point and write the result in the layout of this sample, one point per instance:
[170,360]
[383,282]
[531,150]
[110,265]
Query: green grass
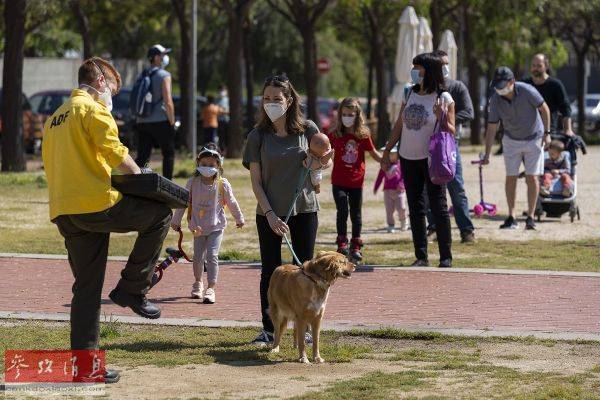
[130,345]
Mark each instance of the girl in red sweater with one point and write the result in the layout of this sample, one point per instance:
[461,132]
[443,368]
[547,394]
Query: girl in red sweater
[350,140]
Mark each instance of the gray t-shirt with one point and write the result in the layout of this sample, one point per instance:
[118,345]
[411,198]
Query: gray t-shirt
[158,112]
[281,168]
[520,116]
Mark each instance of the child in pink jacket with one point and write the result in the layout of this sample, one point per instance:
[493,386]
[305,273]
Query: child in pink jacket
[394,194]
[210,194]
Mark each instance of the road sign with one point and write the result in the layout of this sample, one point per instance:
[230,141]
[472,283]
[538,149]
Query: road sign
[323,65]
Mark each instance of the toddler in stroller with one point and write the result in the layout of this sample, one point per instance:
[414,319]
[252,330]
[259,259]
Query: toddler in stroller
[557,171]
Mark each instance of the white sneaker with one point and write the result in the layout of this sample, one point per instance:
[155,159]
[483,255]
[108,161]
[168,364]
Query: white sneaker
[404,225]
[391,229]
[197,289]
[209,296]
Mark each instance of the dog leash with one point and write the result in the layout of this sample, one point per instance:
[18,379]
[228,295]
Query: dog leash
[303,176]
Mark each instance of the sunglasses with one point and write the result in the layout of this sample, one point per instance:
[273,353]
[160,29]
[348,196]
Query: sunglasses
[279,78]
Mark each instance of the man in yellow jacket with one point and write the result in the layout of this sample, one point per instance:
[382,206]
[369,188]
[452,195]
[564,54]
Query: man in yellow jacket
[81,147]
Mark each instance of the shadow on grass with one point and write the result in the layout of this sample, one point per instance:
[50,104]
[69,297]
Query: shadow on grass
[241,357]
[171,345]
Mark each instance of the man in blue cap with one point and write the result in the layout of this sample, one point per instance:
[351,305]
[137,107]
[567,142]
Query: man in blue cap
[526,121]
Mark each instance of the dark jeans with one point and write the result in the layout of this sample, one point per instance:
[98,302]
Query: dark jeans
[418,188]
[348,198]
[210,135]
[86,239]
[161,133]
[303,234]
[460,203]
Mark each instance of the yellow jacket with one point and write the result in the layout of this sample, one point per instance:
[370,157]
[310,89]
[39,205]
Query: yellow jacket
[81,146]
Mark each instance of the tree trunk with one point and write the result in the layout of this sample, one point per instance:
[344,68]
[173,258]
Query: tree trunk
[235,136]
[581,93]
[13,158]
[83,24]
[310,70]
[184,71]
[473,68]
[370,85]
[383,120]
[249,74]
[436,22]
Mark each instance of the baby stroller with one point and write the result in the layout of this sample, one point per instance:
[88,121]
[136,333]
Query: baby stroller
[555,205]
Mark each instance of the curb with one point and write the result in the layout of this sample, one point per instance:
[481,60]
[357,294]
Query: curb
[362,268]
[335,326]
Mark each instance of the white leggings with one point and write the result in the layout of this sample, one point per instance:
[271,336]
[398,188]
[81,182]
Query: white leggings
[206,248]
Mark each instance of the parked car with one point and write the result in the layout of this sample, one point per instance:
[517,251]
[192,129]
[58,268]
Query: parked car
[31,126]
[44,104]
[201,101]
[125,121]
[592,111]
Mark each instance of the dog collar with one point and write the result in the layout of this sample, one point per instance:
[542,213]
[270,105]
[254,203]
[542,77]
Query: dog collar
[324,282]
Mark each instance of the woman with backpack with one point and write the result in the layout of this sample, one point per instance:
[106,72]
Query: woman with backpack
[419,115]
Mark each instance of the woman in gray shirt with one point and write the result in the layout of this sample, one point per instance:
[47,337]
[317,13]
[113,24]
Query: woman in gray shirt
[274,154]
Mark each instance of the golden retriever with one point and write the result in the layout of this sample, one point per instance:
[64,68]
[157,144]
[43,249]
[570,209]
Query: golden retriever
[300,294]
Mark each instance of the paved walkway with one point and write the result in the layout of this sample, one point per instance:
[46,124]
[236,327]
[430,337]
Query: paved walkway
[413,299]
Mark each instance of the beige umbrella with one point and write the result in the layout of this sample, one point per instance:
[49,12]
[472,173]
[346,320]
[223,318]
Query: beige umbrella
[406,50]
[448,44]
[425,36]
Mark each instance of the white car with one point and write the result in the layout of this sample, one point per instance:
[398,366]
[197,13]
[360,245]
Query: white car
[592,111]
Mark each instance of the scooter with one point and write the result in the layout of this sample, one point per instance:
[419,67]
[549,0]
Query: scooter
[480,208]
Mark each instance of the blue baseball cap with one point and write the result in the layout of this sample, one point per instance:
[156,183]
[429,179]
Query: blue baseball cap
[502,76]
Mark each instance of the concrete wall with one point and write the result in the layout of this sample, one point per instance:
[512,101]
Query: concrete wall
[61,73]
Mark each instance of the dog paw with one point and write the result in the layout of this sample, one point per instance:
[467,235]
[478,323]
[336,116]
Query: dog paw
[275,350]
[319,360]
[304,360]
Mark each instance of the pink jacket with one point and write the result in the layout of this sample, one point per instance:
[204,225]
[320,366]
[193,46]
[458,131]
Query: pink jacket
[208,206]
[393,178]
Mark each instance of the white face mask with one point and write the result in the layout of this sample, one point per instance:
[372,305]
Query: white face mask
[414,75]
[207,172]
[223,93]
[165,60]
[274,110]
[105,97]
[348,121]
[446,70]
[505,91]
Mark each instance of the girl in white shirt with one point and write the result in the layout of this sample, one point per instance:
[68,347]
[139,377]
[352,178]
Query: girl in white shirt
[414,127]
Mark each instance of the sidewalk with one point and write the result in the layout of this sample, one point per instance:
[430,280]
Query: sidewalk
[542,304]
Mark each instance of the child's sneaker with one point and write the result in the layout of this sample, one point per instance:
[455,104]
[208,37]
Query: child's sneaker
[544,191]
[263,339]
[342,243]
[356,245]
[197,289]
[567,192]
[391,229]
[209,296]
[404,225]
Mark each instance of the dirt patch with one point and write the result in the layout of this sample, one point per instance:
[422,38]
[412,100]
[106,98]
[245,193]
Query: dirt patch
[249,380]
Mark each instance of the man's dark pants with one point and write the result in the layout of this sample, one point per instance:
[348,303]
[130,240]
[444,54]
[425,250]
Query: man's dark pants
[161,133]
[86,239]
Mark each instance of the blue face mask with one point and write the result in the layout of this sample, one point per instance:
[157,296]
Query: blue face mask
[414,75]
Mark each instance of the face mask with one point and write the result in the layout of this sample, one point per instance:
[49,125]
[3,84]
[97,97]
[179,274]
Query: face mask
[105,97]
[348,121]
[503,92]
[165,60]
[207,172]
[414,75]
[223,93]
[446,70]
[274,110]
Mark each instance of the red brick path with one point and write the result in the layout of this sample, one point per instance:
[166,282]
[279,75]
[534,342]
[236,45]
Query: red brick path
[387,297]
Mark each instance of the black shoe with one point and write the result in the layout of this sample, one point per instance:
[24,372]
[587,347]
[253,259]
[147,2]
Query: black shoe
[509,223]
[138,303]
[420,263]
[530,224]
[467,237]
[447,263]
[111,376]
